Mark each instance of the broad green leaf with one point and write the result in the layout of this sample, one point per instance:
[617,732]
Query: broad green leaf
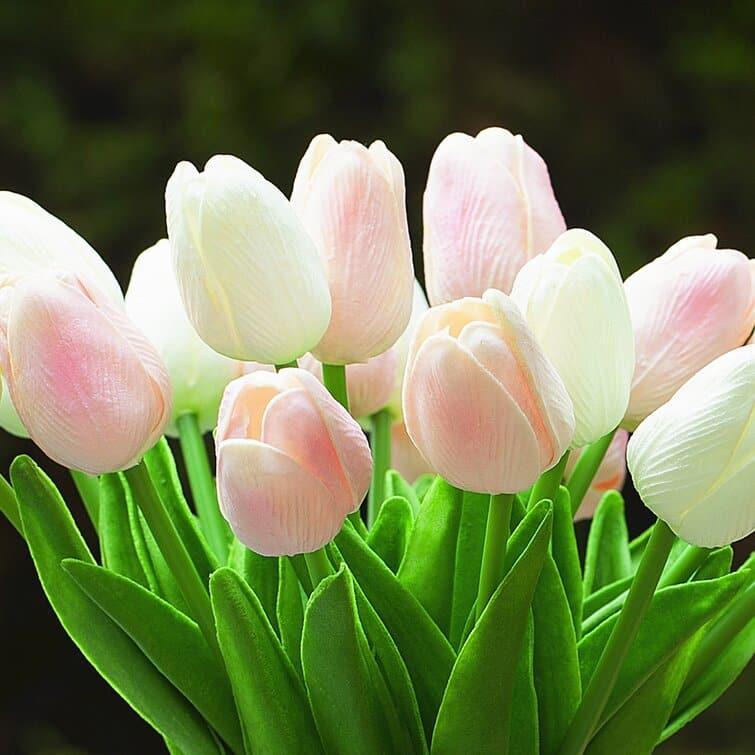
[351,705]
[604,596]
[474,517]
[52,536]
[270,697]
[426,652]
[556,663]
[9,505]
[260,573]
[525,728]
[116,544]
[289,610]
[390,532]
[716,564]
[88,488]
[674,615]
[475,714]
[566,556]
[607,558]
[300,567]
[422,484]
[171,640]
[427,570]
[637,547]
[395,484]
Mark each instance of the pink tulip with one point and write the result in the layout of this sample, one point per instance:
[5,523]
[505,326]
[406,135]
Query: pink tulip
[488,208]
[688,306]
[369,385]
[292,463]
[405,456]
[610,475]
[88,386]
[481,401]
[351,200]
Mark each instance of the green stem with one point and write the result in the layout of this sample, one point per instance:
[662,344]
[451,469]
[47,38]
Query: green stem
[292,363]
[494,549]
[548,482]
[586,468]
[625,630]
[173,549]
[381,461]
[318,565]
[202,484]
[334,378]
[89,490]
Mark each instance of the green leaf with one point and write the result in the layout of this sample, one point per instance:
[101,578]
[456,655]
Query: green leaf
[566,556]
[716,564]
[395,484]
[171,640]
[289,610]
[474,517]
[525,727]
[674,615]
[350,702]
[637,547]
[116,544]
[556,662]
[427,570]
[162,470]
[390,532]
[604,596]
[270,698]
[475,715]
[9,505]
[260,573]
[52,536]
[422,484]
[607,558]
[426,652]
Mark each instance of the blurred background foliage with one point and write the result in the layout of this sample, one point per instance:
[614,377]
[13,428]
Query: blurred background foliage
[644,111]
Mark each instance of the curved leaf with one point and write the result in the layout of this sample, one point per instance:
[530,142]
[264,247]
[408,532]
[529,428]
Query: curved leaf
[390,532]
[396,485]
[260,573]
[566,556]
[289,609]
[607,558]
[525,727]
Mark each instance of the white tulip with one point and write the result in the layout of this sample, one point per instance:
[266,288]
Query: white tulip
[573,300]
[198,374]
[693,459]
[250,277]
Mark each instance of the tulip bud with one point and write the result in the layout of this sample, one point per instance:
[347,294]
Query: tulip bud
[482,403]
[688,306]
[573,300]
[88,386]
[351,200]
[488,208]
[292,463]
[610,475]
[250,277]
[692,459]
[405,456]
[198,375]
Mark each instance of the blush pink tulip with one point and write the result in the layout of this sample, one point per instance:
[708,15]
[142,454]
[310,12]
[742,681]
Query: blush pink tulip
[292,463]
[88,386]
[351,200]
[405,456]
[610,475]
[488,208]
[481,401]
[369,385]
[688,306]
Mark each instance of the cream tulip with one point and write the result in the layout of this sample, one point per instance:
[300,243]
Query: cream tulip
[88,386]
[251,280]
[693,459]
[573,300]
[351,200]
[198,375]
[610,475]
[482,402]
[291,462]
[688,306]
[488,208]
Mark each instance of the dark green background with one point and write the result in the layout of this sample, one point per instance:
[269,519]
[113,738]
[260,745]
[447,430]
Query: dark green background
[643,111]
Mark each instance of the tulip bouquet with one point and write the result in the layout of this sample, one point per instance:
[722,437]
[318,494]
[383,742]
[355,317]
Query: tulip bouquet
[274,609]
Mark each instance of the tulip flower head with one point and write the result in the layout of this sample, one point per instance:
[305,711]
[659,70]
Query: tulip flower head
[693,459]
[406,458]
[251,280]
[89,388]
[610,475]
[198,375]
[482,402]
[488,208]
[573,300]
[292,463]
[351,200]
[688,306]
